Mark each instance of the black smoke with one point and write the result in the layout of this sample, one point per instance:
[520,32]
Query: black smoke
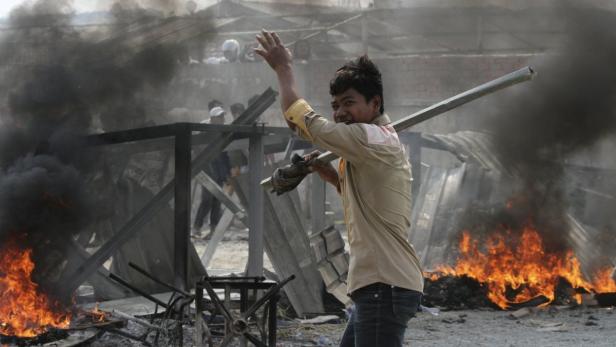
[59,84]
[568,107]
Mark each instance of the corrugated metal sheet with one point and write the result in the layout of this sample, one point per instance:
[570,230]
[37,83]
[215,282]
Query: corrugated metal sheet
[446,195]
[481,182]
[472,147]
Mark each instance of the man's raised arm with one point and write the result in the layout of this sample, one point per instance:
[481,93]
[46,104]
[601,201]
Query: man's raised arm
[280,60]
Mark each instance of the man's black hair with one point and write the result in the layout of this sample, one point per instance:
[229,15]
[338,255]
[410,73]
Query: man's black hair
[213,104]
[362,75]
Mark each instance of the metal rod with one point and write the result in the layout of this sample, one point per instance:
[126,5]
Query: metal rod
[236,278]
[326,29]
[139,321]
[269,294]
[168,130]
[505,81]
[137,290]
[181,200]
[150,276]
[254,266]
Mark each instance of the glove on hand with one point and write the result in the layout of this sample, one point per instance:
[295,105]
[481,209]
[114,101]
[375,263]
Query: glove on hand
[288,177]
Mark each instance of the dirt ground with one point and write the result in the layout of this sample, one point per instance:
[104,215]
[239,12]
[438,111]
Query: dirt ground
[546,327]
[549,327]
[543,327]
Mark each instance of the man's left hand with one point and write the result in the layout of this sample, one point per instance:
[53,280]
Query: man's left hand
[273,51]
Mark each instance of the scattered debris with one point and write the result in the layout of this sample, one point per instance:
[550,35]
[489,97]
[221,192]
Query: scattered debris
[547,326]
[244,324]
[534,302]
[606,299]
[589,300]
[431,310]
[332,262]
[455,293]
[461,319]
[521,313]
[321,320]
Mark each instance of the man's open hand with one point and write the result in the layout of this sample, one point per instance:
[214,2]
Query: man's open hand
[273,50]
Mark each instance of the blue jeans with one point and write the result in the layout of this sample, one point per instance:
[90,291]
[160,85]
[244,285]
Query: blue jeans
[379,316]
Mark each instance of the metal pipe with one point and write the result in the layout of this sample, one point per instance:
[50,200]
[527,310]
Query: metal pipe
[164,284]
[137,290]
[181,208]
[505,81]
[139,321]
[254,266]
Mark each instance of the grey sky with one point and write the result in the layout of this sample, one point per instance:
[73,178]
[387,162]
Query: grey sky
[80,5]
[102,5]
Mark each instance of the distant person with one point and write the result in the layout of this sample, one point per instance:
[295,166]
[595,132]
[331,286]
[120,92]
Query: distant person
[214,103]
[231,50]
[237,109]
[237,157]
[219,170]
[247,55]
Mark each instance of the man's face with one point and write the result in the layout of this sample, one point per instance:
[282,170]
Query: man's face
[351,107]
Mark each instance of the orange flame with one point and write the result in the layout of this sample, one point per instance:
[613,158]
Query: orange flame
[24,311]
[98,315]
[603,282]
[521,264]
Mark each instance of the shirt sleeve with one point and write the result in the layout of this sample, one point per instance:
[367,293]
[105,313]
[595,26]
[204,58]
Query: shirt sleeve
[357,143]
[296,114]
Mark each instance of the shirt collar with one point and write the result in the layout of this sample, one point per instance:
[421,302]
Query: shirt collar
[381,120]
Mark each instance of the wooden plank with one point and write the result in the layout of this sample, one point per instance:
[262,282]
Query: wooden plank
[181,206]
[256,158]
[152,251]
[218,234]
[288,248]
[104,287]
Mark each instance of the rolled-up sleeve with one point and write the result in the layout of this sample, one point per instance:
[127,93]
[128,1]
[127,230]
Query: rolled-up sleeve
[296,114]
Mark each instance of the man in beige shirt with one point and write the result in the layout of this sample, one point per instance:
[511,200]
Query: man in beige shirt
[374,180]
